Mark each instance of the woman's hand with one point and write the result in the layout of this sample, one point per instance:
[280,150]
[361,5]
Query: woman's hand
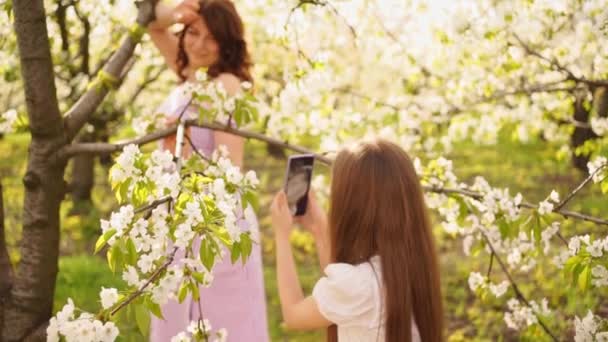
[186,12]
[315,219]
[282,220]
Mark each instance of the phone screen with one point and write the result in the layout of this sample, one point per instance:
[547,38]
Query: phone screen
[297,182]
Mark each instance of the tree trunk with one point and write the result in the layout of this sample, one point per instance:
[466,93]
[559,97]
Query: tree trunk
[30,302]
[6,269]
[580,134]
[83,175]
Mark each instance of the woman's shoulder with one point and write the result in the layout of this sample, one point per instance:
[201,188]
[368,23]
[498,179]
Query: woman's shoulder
[230,82]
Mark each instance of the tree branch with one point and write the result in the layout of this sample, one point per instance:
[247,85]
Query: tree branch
[80,113]
[578,188]
[259,137]
[557,66]
[104,148]
[478,196]
[98,148]
[152,278]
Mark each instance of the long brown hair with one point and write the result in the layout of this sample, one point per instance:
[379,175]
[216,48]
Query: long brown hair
[226,27]
[377,207]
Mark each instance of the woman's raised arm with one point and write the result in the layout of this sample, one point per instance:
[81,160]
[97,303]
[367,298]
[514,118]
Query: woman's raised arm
[164,40]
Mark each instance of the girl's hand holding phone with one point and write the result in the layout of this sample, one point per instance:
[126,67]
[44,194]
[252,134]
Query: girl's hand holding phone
[315,219]
[282,220]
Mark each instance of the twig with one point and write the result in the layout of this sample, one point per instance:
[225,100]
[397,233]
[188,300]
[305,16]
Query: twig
[153,205]
[185,108]
[518,292]
[490,266]
[194,148]
[578,188]
[478,196]
[333,8]
[152,278]
[202,320]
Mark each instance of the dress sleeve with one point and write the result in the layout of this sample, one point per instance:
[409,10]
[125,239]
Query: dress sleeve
[345,296]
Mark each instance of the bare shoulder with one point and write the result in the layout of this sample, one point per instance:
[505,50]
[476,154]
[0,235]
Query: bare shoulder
[231,83]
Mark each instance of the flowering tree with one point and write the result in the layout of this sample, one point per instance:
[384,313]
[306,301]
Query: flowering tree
[427,75]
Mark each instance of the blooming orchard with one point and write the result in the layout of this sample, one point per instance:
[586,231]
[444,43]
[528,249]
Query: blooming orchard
[426,74]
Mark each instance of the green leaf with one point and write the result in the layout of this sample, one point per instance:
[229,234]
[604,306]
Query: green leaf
[477,248]
[251,198]
[143,319]
[246,246]
[463,209]
[576,272]
[195,291]
[103,239]
[585,278]
[207,254]
[238,115]
[503,227]
[112,258]
[131,252]
[235,252]
[537,231]
[182,200]
[223,236]
[123,191]
[183,292]
[198,276]
[154,308]
[604,187]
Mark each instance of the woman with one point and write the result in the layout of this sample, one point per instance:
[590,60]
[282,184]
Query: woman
[381,278]
[212,38]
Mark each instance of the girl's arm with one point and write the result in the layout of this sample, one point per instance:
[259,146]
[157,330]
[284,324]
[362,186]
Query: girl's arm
[298,312]
[315,221]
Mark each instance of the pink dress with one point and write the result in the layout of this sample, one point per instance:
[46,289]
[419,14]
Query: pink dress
[236,298]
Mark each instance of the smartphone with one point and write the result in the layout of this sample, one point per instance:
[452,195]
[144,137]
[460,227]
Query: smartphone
[297,182]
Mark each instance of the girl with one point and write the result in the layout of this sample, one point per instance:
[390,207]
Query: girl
[213,37]
[381,278]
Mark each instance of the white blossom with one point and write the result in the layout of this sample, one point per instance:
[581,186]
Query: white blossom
[7,121]
[476,281]
[500,289]
[109,297]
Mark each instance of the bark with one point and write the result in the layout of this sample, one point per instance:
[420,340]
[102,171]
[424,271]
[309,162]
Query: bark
[83,175]
[6,269]
[30,302]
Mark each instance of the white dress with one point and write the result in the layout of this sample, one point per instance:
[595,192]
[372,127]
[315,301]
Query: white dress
[350,296]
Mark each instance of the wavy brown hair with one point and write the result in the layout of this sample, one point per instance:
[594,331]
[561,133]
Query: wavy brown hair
[226,27]
[377,207]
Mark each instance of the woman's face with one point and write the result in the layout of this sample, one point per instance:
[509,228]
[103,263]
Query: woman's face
[200,45]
